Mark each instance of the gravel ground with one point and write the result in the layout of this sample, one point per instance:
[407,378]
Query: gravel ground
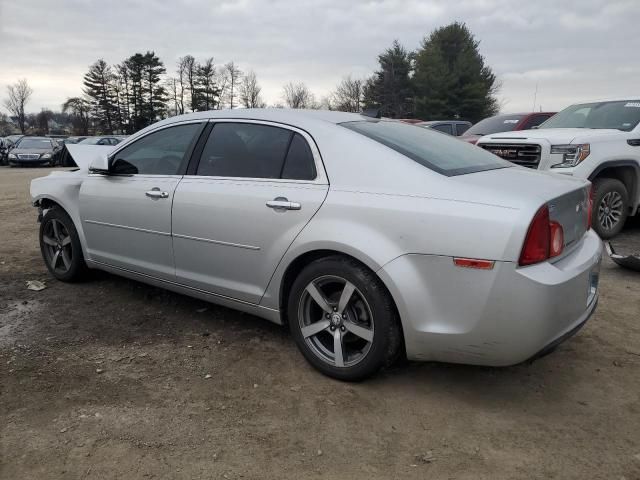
[115,379]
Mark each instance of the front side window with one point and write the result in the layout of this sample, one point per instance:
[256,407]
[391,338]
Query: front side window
[440,153]
[624,115]
[462,128]
[248,150]
[159,153]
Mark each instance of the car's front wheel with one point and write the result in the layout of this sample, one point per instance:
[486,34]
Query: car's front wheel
[60,246]
[610,207]
[343,319]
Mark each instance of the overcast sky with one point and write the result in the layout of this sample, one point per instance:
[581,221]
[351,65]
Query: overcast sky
[573,50]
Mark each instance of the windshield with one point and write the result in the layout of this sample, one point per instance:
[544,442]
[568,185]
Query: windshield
[441,153]
[623,115]
[497,124]
[39,143]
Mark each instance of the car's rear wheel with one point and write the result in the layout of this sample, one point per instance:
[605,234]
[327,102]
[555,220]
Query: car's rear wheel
[343,319]
[610,207]
[60,246]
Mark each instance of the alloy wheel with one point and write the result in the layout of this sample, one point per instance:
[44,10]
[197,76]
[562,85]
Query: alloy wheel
[58,248]
[610,210]
[336,321]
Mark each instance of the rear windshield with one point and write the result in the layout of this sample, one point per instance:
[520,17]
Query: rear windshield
[497,124]
[441,153]
[618,115]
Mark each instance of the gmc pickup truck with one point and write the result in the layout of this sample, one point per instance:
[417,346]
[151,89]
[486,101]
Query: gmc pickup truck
[598,141]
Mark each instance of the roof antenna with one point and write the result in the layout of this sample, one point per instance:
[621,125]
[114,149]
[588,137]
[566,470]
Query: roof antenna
[371,112]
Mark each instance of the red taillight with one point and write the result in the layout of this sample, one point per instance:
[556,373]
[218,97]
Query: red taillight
[545,239]
[536,244]
[556,240]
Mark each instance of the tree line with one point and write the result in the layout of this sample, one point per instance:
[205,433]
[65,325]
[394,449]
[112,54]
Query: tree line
[445,78]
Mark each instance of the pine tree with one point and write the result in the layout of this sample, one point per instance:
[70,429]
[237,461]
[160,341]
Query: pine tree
[99,87]
[390,89]
[451,79]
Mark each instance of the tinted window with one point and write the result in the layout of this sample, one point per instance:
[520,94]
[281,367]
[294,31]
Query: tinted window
[299,164]
[244,150]
[444,127]
[534,121]
[159,153]
[433,150]
[462,127]
[619,115]
[497,124]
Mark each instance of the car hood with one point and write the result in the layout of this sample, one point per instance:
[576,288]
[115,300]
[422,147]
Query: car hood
[83,155]
[553,135]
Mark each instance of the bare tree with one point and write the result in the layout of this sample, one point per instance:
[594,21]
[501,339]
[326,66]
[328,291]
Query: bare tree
[250,91]
[233,75]
[348,96]
[297,95]
[181,86]
[80,110]
[190,71]
[19,94]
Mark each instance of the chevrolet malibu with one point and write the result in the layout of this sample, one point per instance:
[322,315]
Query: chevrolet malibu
[369,239]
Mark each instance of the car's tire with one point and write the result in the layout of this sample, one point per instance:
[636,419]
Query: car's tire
[610,207]
[366,327]
[60,246]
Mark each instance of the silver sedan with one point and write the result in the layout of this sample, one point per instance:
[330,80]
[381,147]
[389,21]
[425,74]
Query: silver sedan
[369,239]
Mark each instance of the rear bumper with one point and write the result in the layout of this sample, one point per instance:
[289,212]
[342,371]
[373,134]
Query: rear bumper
[493,317]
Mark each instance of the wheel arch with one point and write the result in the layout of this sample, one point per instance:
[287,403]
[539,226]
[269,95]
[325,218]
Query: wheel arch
[296,266]
[626,171]
[46,201]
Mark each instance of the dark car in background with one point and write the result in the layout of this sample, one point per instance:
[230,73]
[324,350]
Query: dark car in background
[451,127]
[34,151]
[100,140]
[505,123]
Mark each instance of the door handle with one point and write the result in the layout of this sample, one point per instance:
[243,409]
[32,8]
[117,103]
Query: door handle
[156,193]
[282,203]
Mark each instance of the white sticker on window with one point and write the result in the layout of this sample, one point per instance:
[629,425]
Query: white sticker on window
[632,104]
[511,121]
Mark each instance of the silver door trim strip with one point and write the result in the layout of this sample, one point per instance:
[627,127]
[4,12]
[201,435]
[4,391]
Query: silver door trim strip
[217,242]
[114,225]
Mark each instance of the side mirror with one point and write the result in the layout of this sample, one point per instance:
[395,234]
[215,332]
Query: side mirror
[100,165]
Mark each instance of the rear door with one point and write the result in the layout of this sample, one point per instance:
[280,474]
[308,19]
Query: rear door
[126,216]
[239,208]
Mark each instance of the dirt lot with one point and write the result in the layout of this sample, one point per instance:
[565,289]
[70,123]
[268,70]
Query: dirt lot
[107,379]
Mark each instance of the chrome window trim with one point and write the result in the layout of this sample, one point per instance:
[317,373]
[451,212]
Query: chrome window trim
[321,174]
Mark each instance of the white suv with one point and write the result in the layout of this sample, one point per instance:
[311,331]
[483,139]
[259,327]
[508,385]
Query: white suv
[599,141]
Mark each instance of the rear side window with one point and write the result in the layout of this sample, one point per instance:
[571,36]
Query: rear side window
[299,163]
[249,150]
[441,153]
[462,127]
[159,153]
[534,121]
[444,128]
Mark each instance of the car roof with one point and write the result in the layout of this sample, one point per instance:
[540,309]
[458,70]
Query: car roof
[280,115]
[433,122]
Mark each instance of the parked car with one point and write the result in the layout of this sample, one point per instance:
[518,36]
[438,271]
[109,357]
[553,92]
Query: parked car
[34,151]
[100,140]
[368,238]
[505,123]
[4,150]
[73,140]
[598,141]
[451,127]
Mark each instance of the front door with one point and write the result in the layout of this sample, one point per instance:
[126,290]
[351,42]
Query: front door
[126,216]
[255,188]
